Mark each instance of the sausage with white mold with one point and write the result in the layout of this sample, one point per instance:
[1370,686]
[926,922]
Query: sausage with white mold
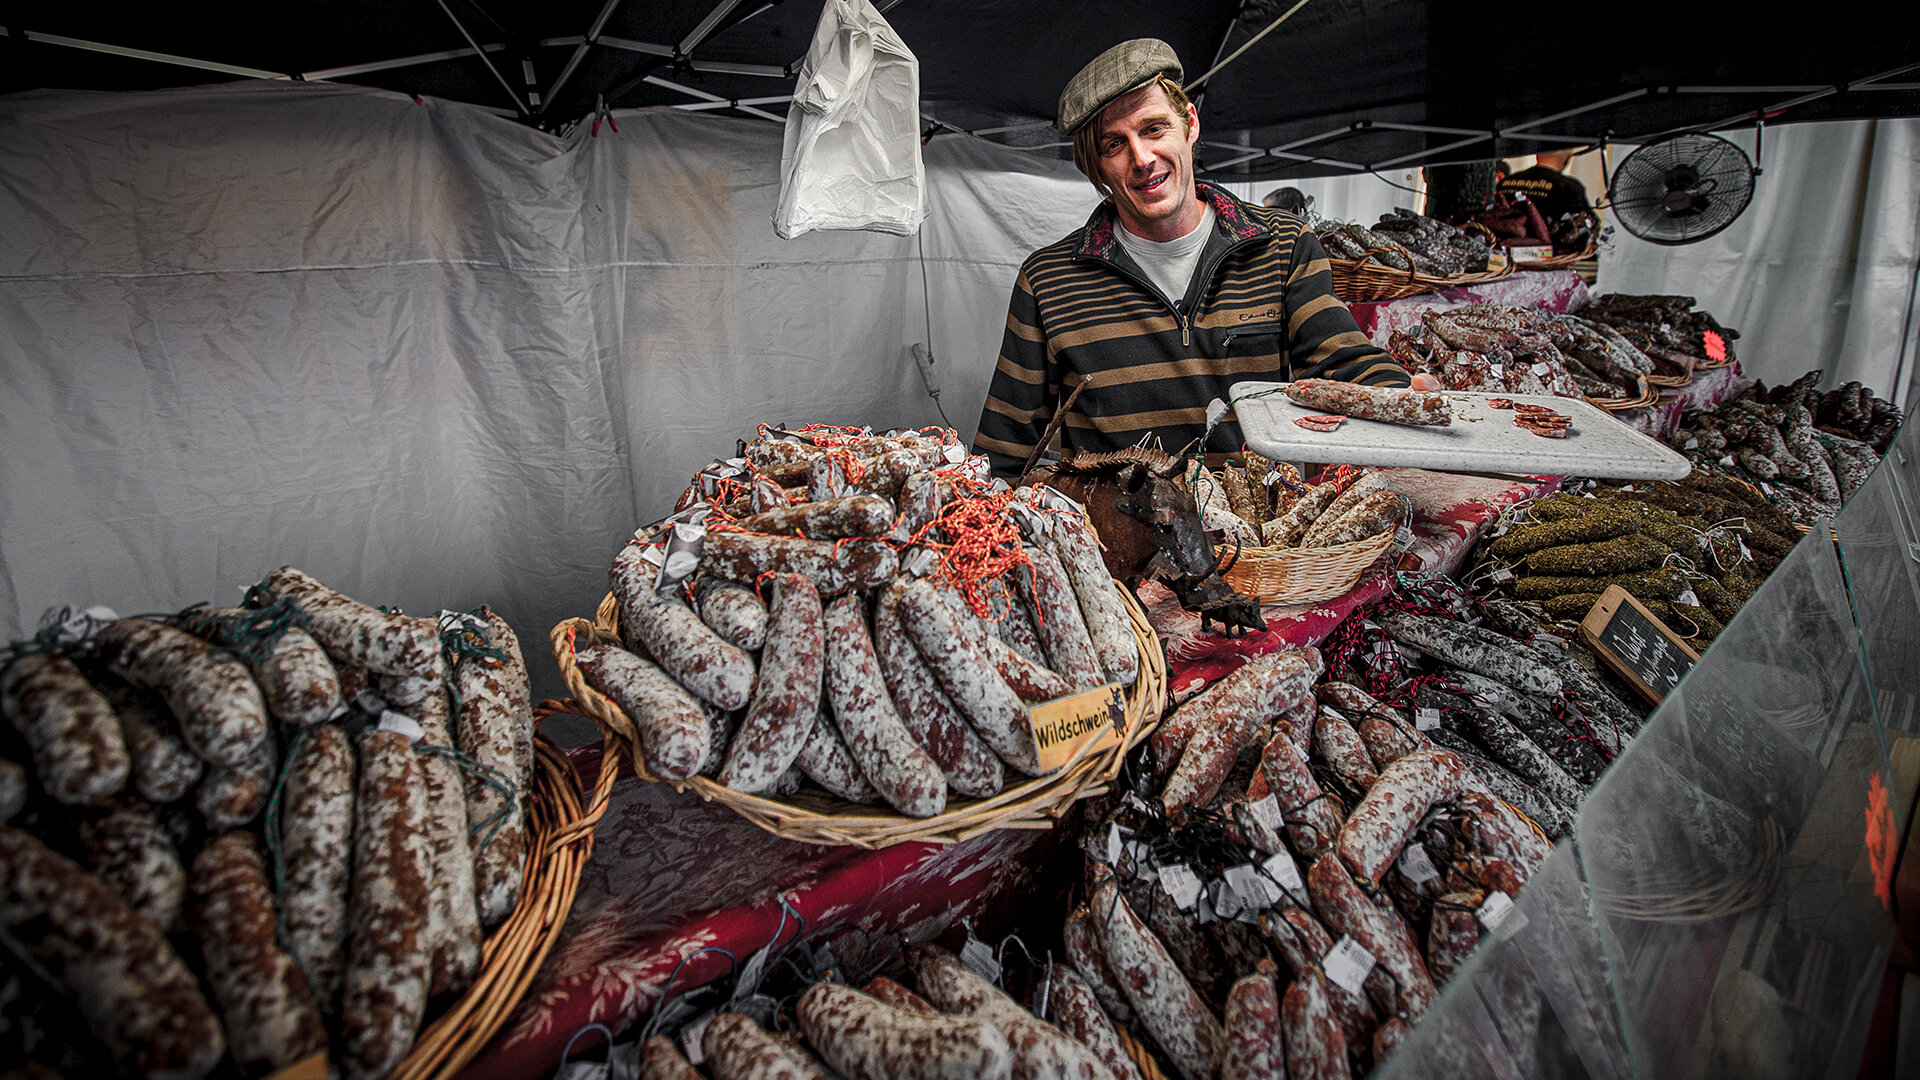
[78,750]
[220,710]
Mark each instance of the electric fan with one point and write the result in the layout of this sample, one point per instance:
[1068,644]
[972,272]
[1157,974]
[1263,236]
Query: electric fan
[1681,189]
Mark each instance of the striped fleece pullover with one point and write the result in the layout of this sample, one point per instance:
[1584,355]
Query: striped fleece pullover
[1260,306]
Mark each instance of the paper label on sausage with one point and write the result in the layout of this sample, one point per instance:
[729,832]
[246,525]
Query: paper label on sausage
[1267,812]
[1416,866]
[1403,537]
[1542,369]
[1426,718]
[1225,900]
[1284,872]
[1347,964]
[1252,888]
[1499,915]
[1500,575]
[1181,883]
[402,724]
[63,624]
[1079,724]
[977,956]
[692,1036]
[954,454]
[1115,844]
[1686,597]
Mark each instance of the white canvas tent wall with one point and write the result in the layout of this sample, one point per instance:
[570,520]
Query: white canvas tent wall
[433,356]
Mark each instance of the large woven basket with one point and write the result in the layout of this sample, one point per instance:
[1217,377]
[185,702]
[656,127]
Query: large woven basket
[560,840]
[815,817]
[1279,575]
[1357,281]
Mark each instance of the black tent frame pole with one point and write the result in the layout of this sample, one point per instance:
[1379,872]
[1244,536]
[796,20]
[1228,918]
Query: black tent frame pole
[518,105]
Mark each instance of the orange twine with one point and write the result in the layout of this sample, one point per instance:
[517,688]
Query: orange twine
[984,545]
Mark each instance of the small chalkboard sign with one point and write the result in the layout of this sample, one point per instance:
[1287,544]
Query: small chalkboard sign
[1636,644]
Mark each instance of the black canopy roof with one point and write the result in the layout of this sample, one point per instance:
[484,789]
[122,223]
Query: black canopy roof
[1339,86]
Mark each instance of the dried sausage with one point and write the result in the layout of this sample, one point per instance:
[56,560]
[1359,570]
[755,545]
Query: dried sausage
[1039,1051]
[1287,529]
[1263,686]
[456,945]
[661,1060]
[119,970]
[1388,1039]
[163,769]
[221,713]
[316,845]
[1072,1006]
[228,798]
[1252,1026]
[734,611]
[674,734]
[1316,1048]
[491,726]
[1101,605]
[898,996]
[1336,743]
[1378,930]
[13,789]
[1033,682]
[270,1014]
[713,668]
[1303,943]
[1313,817]
[1215,744]
[296,678]
[384,993]
[970,765]
[1375,514]
[1159,993]
[1379,826]
[865,1038]
[131,853]
[1485,653]
[826,519]
[836,566]
[826,761]
[1453,932]
[905,775]
[1497,831]
[353,632]
[787,695]
[1063,630]
[976,689]
[1386,404]
[1084,952]
[78,750]
[739,1049]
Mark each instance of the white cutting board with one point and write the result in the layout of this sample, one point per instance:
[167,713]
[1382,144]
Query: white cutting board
[1480,439]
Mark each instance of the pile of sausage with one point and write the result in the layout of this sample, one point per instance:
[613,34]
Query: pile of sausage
[285,805]
[821,639]
[1262,503]
[1693,551]
[952,1024]
[1311,868]
[1777,442]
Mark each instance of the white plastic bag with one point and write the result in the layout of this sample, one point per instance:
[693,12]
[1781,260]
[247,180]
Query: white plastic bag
[851,159]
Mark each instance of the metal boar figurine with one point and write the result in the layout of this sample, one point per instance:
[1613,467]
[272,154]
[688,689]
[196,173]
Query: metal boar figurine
[1151,528]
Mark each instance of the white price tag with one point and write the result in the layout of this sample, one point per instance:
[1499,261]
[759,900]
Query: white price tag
[1498,371]
[1285,872]
[1203,911]
[1114,845]
[1686,597]
[1267,812]
[1426,718]
[654,554]
[954,454]
[1497,912]
[1744,553]
[682,564]
[403,724]
[1226,900]
[1403,537]
[1252,886]
[1416,866]
[1500,575]
[977,956]
[1347,964]
[1727,461]
[1692,443]
[1542,369]
[370,703]
[1181,883]
[692,1036]
[918,561]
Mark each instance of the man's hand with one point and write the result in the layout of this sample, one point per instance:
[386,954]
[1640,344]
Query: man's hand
[1424,381]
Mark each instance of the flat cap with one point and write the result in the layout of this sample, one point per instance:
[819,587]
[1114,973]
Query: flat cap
[1127,66]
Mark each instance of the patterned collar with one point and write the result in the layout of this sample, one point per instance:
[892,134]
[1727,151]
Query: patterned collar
[1229,217]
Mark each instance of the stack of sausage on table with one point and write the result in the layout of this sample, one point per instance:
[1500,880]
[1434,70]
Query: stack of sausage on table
[149,879]
[1263,503]
[865,612]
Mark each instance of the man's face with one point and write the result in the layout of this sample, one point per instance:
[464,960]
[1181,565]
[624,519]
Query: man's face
[1145,156]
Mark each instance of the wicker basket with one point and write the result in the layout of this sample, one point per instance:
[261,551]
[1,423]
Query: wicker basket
[1279,575]
[815,817]
[1357,281]
[1647,396]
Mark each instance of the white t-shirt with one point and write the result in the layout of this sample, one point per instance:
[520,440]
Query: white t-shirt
[1170,264]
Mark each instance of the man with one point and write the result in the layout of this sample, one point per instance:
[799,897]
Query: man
[1289,198]
[1172,292]
[1548,186]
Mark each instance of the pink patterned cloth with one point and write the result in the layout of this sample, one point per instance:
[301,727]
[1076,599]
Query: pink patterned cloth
[1450,513]
[1555,290]
[671,873]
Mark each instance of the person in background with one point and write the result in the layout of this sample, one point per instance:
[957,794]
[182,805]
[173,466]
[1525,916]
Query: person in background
[1290,199]
[1548,186]
[1173,291]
